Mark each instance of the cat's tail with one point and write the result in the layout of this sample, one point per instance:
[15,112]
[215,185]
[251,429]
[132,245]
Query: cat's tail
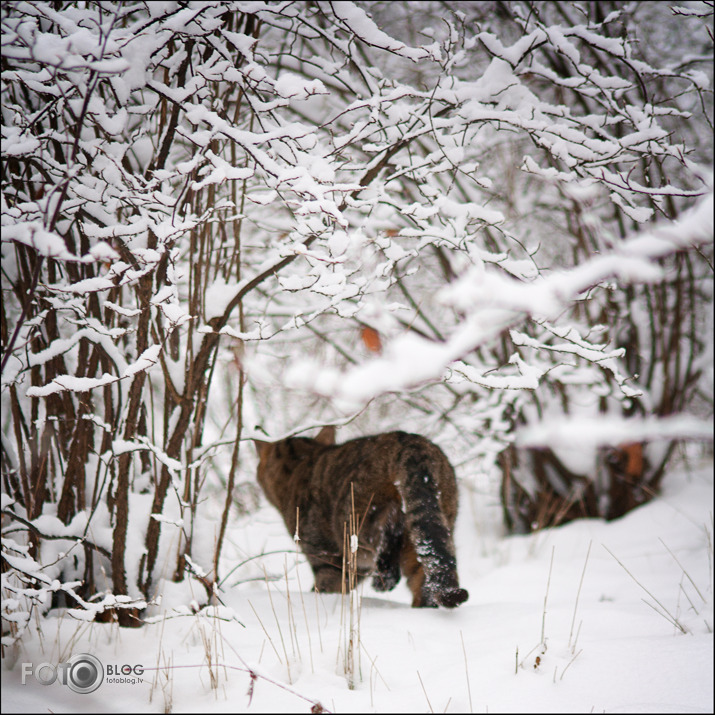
[428,530]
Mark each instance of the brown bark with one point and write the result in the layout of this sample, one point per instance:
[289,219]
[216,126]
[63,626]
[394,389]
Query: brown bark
[539,491]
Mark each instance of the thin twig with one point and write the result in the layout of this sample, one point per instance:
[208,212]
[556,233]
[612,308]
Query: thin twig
[466,671]
[546,596]
[569,663]
[425,692]
[578,593]
[251,558]
[683,569]
[268,635]
[77,540]
[669,616]
[280,631]
[253,673]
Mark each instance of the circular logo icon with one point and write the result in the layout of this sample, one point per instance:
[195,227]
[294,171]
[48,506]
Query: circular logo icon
[86,673]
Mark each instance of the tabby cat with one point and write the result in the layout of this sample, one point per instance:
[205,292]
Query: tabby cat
[404,495]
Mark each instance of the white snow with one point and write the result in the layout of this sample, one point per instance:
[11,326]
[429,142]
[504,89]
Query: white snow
[604,607]
[292,86]
[589,432]
[363,26]
[218,295]
[146,360]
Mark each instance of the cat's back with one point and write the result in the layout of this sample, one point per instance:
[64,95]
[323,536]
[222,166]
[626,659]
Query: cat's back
[381,457]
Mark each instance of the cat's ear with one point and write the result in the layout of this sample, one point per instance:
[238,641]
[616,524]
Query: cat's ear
[261,447]
[326,435]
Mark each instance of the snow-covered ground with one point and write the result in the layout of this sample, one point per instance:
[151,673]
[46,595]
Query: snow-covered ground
[627,627]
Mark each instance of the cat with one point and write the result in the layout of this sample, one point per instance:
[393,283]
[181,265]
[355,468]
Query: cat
[403,493]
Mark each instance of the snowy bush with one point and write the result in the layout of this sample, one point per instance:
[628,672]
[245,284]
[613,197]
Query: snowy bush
[221,219]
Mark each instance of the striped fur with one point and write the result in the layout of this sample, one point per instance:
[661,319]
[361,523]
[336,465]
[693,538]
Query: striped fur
[405,502]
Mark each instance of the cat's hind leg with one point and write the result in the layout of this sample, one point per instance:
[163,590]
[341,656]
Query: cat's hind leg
[328,579]
[415,575]
[387,566]
[429,590]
